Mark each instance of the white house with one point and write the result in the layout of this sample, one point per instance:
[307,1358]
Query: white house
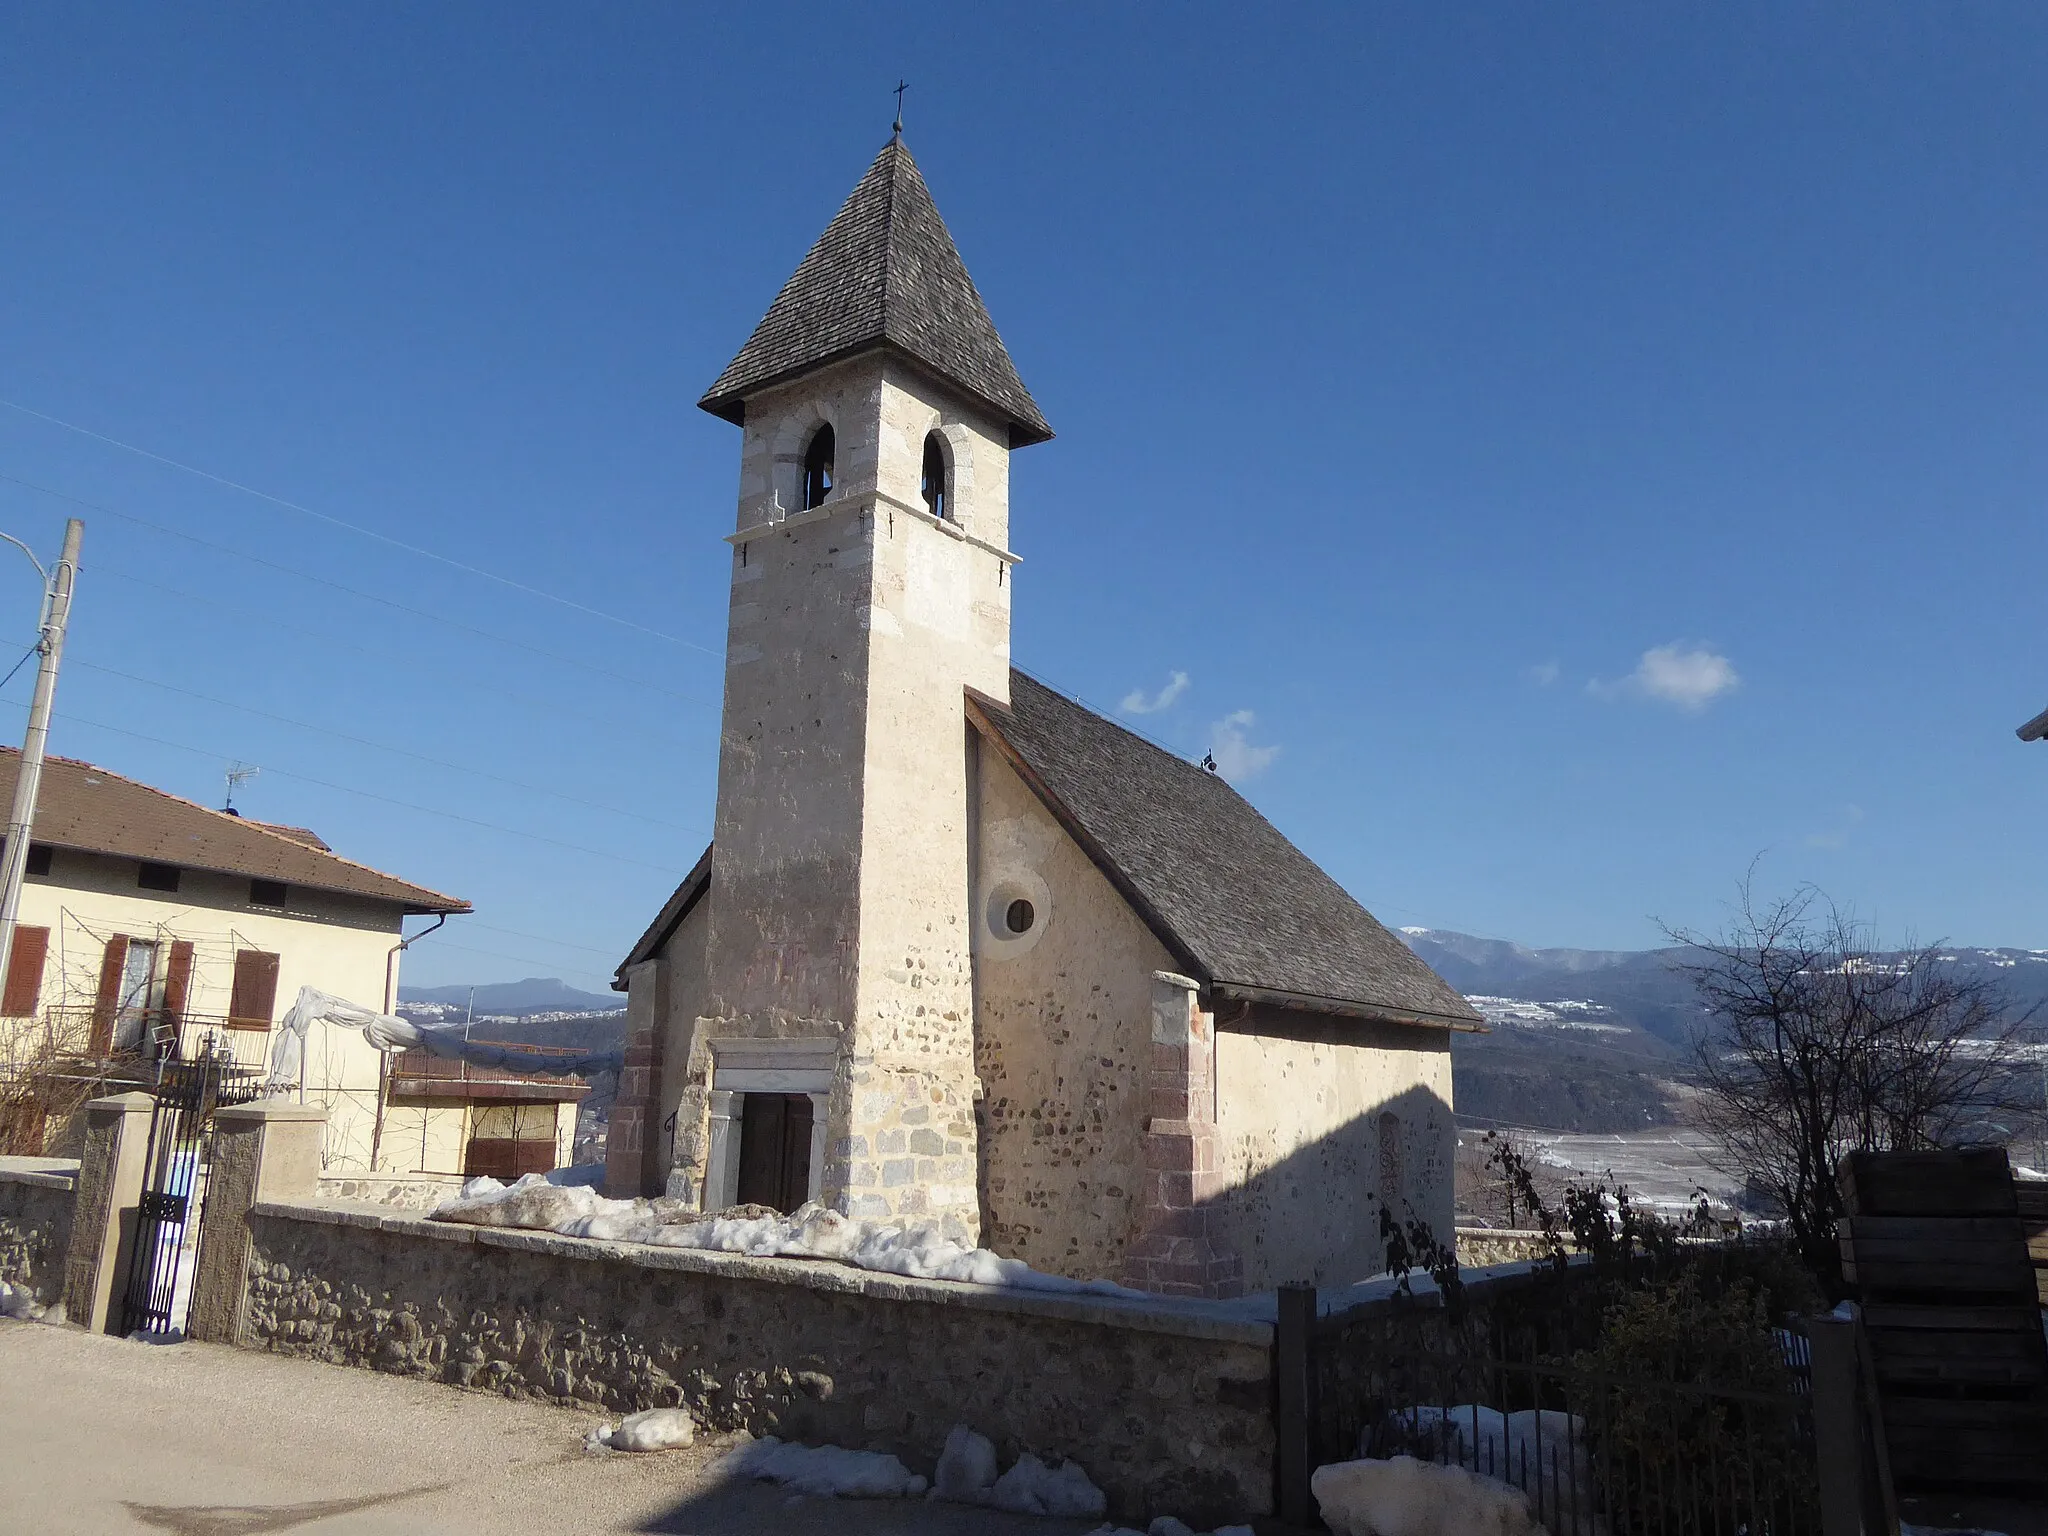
[150,926]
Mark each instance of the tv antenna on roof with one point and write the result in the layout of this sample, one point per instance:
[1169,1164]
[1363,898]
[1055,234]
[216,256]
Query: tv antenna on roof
[237,776]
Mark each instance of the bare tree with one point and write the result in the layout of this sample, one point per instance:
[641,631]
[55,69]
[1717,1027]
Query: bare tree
[1818,1043]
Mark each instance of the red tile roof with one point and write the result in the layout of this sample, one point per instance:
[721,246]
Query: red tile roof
[86,807]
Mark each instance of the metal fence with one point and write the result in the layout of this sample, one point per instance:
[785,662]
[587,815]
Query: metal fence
[1599,1449]
[1622,1455]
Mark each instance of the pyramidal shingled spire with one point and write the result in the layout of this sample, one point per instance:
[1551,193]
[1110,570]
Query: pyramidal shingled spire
[884,274]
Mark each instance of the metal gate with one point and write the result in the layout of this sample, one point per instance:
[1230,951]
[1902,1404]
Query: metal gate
[174,1182]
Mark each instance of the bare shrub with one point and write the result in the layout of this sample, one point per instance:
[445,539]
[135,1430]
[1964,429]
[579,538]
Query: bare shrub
[1816,1043]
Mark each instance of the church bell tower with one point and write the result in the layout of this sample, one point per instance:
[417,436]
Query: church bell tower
[871,586]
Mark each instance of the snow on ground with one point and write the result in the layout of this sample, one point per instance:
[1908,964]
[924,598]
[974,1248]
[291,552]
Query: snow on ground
[824,1470]
[1402,1496]
[552,1203]
[652,1429]
[19,1302]
[1662,1168]
[966,1474]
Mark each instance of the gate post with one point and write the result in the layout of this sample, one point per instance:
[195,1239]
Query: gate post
[110,1169]
[1294,1407]
[1854,1480]
[268,1150]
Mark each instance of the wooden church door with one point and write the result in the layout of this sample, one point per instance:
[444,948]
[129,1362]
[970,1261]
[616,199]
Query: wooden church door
[775,1150]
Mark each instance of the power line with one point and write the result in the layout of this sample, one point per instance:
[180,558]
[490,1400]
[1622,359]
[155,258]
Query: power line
[368,597]
[243,612]
[380,746]
[346,789]
[4,681]
[357,528]
[498,954]
[540,938]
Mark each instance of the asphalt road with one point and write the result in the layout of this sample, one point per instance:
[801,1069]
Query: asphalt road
[99,1435]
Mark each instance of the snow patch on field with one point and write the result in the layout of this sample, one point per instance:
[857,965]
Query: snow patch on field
[1563,1013]
[812,1231]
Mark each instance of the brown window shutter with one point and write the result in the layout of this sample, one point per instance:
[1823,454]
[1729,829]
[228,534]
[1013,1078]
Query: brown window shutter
[254,999]
[178,982]
[25,972]
[109,1000]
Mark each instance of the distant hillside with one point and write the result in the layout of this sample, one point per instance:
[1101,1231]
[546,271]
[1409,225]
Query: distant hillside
[1591,1040]
[1638,990]
[516,999]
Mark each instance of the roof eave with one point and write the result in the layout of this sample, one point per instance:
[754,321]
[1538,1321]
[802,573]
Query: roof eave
[673,914]
[1350,1008]
[731,404]
[2035,729]
[420,903]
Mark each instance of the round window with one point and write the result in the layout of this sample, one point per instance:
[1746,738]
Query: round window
[1016,912]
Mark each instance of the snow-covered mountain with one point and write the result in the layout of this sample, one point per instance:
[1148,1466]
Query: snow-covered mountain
[513,999]
[1593,1039]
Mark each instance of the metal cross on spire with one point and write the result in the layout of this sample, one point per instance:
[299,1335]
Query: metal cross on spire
[901,87]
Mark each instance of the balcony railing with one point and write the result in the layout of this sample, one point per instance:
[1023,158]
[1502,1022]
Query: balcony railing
[90,1033]
[418,1073]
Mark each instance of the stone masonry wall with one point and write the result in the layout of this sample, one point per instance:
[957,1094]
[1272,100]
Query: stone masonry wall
[1166,1405]
[35,1223]
[1478,1246]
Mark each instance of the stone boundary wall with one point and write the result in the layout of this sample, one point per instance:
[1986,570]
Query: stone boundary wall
[1166,1404]
[36,1196]
[1481,1246]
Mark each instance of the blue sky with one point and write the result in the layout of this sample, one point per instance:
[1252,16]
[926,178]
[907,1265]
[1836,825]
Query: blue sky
[1568,451]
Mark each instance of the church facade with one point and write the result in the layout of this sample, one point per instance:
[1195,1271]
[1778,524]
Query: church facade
[962,951]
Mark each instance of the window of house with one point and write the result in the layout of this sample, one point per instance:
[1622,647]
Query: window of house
[39,859]
[508,1141]
[158,877]
[254,998]
[139,998]
[936,500]
[266,893]
[818,467]
[25,971]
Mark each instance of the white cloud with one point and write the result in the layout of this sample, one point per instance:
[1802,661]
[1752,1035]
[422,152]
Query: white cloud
[1690,676]
[1544,674]
[1135,702]
[1231,748]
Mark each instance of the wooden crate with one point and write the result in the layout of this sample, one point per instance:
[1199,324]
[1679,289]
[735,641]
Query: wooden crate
[1973,1181]
[2033,1202]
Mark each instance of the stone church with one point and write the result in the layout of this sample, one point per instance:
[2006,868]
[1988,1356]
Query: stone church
[962,951]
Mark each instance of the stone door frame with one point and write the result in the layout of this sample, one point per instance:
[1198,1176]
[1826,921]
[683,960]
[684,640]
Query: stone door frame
[748,1065]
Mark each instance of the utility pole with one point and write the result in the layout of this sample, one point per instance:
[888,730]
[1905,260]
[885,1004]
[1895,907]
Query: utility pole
[28,779]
